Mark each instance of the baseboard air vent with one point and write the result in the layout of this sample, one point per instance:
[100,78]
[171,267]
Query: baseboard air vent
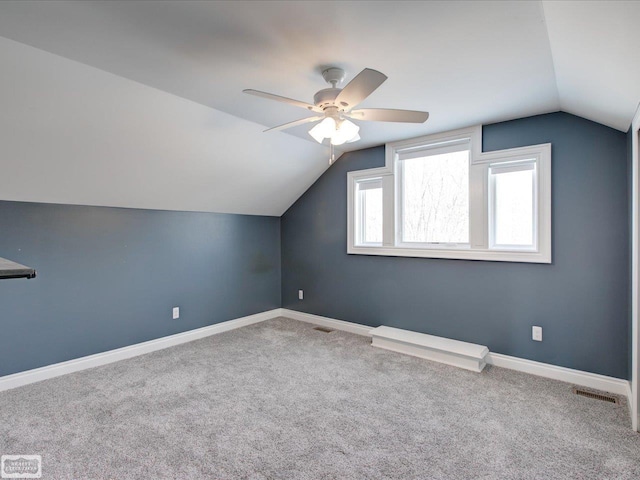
[596,396]
[438,349]
[323,329]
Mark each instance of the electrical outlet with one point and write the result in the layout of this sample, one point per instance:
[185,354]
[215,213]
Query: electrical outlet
[300,295]
[536,333]
[176,313]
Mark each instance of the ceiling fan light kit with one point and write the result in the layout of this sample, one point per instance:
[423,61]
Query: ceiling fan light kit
[345,133]
[335,107]
[324,129]
[340,131]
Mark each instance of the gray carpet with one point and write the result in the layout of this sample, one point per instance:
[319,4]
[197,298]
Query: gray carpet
[281,400]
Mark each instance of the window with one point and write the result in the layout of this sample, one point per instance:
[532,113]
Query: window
[512,201]
[434,196]
[370,212]
[440,196]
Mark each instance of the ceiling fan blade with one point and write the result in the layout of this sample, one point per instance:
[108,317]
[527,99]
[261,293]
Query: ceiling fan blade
[278,98]
[302,121]
[389,115]
[360,88]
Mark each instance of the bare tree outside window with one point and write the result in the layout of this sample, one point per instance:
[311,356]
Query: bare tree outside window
[435,198]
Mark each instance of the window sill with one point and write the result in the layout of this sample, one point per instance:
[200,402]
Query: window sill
[467,254]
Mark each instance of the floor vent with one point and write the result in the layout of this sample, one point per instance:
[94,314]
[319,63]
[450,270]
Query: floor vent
[596,396]
[323,329]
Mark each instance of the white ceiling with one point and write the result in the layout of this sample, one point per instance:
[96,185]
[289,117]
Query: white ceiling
[464,62]
[74,134]
[595,54]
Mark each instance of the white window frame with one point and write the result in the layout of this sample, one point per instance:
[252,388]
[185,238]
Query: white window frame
[480,211]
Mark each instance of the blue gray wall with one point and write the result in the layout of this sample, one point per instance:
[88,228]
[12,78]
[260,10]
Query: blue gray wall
[581,300]
[109,277]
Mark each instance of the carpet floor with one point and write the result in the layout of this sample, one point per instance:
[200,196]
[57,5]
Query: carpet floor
[280,400]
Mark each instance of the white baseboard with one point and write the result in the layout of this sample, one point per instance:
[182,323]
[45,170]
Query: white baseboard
[350,327]
[617,386]
[569,375]
[50,371]
[585,379]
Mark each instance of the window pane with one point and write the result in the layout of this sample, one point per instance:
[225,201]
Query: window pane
[435,198]
[513,215]
[372,215]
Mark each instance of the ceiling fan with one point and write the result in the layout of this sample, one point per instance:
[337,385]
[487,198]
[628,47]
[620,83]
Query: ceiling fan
[334,106]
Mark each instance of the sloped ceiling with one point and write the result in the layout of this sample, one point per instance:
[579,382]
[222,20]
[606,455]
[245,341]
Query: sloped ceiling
[181,135]
[595,54]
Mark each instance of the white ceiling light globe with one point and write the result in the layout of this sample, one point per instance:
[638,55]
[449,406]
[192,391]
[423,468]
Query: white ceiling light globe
[325,129]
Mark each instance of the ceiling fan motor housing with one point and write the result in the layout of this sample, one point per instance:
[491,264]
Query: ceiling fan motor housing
[326,97]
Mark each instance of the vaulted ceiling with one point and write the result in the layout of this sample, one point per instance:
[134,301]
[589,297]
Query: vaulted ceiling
[182,135]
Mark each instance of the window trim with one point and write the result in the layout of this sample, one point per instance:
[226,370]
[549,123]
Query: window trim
[480,162]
